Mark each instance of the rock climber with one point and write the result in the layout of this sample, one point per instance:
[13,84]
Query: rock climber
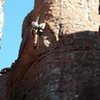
[37,30]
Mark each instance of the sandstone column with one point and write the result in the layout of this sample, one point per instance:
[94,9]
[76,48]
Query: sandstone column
[1,17]
[67,64]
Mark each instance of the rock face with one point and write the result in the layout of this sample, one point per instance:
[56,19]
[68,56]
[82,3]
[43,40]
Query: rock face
[66,66]
[1,17]
[3,86]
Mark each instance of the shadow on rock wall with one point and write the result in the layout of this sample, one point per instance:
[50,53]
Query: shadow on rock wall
[68,70]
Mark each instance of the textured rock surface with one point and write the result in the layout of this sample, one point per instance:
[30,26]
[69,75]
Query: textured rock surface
[3,86]
[67,64]
[4,77]
[1,17]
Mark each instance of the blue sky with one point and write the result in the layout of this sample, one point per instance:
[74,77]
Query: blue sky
[14,14]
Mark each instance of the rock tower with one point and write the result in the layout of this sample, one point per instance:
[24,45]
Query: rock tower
[66,66]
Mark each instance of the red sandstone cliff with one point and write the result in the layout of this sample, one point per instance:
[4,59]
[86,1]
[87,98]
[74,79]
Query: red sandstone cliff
[67,64]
